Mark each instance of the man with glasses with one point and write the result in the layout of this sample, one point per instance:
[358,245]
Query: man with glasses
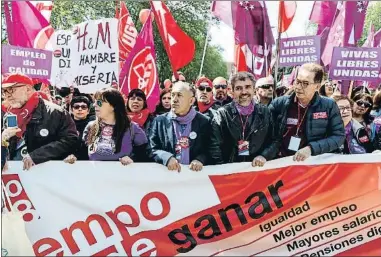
[307,124]
[204,97]
[265,90]
[47,129]
[242,131]
[220,93]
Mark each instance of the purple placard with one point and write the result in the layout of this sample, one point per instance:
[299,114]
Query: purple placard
[34,63]
[356,63]
[299,50]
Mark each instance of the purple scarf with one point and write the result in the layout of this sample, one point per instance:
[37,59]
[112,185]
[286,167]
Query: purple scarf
[245,110]
[185,120]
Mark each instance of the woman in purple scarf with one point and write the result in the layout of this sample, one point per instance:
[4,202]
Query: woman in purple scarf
[182,135]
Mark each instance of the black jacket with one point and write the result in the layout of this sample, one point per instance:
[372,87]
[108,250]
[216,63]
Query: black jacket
[50,135]
[162,139]
[227,131]
[324,135]
[209,113]
[377,140]
[81,151]
[218,104]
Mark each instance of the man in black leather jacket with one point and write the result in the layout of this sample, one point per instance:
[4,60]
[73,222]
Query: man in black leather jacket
[242,131]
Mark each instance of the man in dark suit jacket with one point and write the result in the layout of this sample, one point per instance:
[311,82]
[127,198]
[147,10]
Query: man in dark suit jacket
[182,135]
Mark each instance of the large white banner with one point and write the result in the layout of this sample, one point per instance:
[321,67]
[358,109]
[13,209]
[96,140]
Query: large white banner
[327,205]
[87,56]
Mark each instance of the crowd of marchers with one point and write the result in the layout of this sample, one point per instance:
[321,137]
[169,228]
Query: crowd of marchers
[196,124]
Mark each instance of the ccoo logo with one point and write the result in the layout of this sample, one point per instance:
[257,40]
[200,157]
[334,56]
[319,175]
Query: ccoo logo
[142,73]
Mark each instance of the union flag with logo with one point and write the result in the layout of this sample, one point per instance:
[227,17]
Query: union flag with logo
[140,70]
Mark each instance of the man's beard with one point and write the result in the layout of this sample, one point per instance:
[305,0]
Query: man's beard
[221,96]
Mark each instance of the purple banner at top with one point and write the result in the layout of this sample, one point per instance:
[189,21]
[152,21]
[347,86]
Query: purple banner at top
[356,63]
[34,63]
[299,50]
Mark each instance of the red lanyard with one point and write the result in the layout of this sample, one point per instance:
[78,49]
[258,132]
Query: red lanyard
[301,122]
[243,125]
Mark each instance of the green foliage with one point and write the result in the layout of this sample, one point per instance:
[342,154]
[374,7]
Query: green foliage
[192,16]
[373,16]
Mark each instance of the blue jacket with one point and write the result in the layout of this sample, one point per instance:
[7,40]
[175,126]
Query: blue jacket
[162,139]
[324,135]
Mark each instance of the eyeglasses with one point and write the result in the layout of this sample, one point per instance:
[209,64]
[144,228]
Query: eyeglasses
[77,107]
[220,86]
[364,104]
[304,84]
[99,103]
[10,90]
[203,88]
[345,108]
[265,86]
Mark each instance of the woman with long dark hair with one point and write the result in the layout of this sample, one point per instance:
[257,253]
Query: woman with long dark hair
[112,136]
[164,105]
[361,110]
[138,110]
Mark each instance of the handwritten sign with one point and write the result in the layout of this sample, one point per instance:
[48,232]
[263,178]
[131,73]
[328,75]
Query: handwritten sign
[97,50]
[299,50]
[34,63]
[354,63]
[64,61]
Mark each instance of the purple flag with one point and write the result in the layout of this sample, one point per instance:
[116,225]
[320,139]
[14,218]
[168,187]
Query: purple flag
[355,12]
[369,42]
[323,14]
[140,70]
[377,39]
[251,24]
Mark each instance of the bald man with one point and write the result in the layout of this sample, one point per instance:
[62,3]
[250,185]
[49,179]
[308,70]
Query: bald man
[220,93]
[182,135]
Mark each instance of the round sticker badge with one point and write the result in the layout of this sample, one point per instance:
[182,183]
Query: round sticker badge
[193,135]
[44,132]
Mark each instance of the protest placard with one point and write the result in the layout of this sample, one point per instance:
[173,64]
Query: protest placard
[97,50]
[65,62]
[354,63]
[299,50]
[245,211]
[34,63]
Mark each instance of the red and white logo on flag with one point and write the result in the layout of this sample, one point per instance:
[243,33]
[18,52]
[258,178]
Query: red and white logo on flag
[142,72]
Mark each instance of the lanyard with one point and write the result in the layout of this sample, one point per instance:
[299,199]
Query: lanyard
[301,122]
[243,125]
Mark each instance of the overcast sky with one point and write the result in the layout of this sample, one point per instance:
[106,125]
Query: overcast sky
[223,35]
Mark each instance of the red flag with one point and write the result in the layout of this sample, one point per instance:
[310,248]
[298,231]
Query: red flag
[287,11]
[323,14]
[45,8]
[179,46]
[240,61]
[30,28]
[139,70]
[127,32]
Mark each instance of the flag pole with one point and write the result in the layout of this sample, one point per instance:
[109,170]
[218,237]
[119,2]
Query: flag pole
[204,52]
[277,59]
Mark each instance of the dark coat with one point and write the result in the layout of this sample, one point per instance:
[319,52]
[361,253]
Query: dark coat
[227,130]
[81,151]
[60,140]
[377,140]
[218,105]
[324,135]
[162,139]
